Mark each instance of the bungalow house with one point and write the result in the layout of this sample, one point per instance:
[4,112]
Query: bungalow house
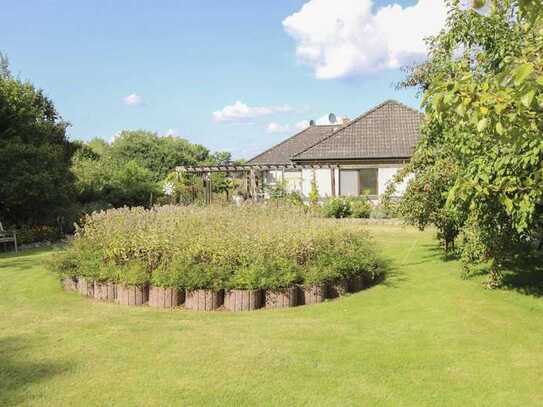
[347,159]
[355,157]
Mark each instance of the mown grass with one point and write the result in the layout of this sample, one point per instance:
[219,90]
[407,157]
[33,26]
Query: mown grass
[423,337]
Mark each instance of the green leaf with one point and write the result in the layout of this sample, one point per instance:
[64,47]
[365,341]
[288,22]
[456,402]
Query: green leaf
[527,98]
[522,72]
[461,110]
[540,80]
[483,123]
[508,204]
[499,129]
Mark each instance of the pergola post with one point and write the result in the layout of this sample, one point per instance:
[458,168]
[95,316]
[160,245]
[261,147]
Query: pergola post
[333,181]
[209,188]
[252,178]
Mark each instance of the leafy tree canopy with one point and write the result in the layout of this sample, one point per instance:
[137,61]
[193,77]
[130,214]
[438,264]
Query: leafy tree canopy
[478,168]
[35,154]
[159,155]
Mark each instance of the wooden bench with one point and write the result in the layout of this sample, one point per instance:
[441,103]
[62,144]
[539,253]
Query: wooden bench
[8,237]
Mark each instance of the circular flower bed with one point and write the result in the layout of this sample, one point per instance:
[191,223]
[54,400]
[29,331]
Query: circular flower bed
[240,258]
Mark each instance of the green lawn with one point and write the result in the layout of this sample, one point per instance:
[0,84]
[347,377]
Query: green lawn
[424,337]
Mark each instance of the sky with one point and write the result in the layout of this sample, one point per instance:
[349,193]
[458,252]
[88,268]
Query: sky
[234,75]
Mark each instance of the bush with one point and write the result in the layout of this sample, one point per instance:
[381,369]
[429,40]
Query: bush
[345,207]
[360,207]
[133,272]
[216,247]
[167,275]
[249,277]
[37,233]
[65,264]
[337,208]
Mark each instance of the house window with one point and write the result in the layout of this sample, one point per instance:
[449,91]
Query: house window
[368,181]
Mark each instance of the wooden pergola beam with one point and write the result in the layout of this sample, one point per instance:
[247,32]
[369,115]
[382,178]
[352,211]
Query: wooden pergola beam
[201,169]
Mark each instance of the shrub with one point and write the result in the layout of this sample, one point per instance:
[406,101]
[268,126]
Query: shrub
[337,208]
[133,273]
[280,273]
[249,277]
[314,193]
[195,276]
[216,247]
[65,264]
[37,233]
[167,275]
[360,207]
[294,199]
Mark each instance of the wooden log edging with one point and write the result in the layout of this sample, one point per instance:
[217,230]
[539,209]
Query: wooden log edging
[69,284]
[105,291]
[212,300]
[85,287]
[204,300]
[314,294]
[160,297]
[132,294]
[243,300]
[282,298]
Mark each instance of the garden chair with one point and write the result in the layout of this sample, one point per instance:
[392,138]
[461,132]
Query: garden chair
[8,237]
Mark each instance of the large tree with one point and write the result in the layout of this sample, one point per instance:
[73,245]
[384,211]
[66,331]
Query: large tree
[36,185]
[479,165]
[159,155]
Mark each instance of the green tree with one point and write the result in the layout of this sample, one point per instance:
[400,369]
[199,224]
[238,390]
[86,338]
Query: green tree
[159,155]
[483,99]
[36,185]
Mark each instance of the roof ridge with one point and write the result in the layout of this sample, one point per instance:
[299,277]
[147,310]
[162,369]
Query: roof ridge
[406,106]
[344,126]
[357,119]
[286,140]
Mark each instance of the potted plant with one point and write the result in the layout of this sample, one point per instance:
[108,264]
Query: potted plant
[244,289]
[164,289]
[132,287]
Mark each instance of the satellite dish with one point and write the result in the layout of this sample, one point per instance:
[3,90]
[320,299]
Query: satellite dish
[311,122]
[332,118]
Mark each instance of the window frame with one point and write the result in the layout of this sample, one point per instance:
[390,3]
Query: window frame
[360,183]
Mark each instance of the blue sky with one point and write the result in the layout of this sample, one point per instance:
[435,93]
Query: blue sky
[169,65]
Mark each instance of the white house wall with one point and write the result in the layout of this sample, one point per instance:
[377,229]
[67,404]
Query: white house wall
[300,181]
[386,176]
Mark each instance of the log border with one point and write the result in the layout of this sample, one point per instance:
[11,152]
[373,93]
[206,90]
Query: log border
[213,300]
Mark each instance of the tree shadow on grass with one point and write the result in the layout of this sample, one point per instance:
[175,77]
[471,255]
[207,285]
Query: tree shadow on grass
[17,374]
[22,260]
[391,275]
[525,275]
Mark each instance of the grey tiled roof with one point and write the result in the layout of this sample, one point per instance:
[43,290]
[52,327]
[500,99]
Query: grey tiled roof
[390,130]
[282,152]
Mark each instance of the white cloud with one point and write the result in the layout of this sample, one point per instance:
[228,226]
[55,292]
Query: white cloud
[239,111]
[114,137]
[345,38]
[133,100]
[326,119]
[275,128]
[172,132]
[304,124]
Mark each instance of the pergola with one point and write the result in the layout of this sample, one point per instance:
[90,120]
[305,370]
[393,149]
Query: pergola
[252,172]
